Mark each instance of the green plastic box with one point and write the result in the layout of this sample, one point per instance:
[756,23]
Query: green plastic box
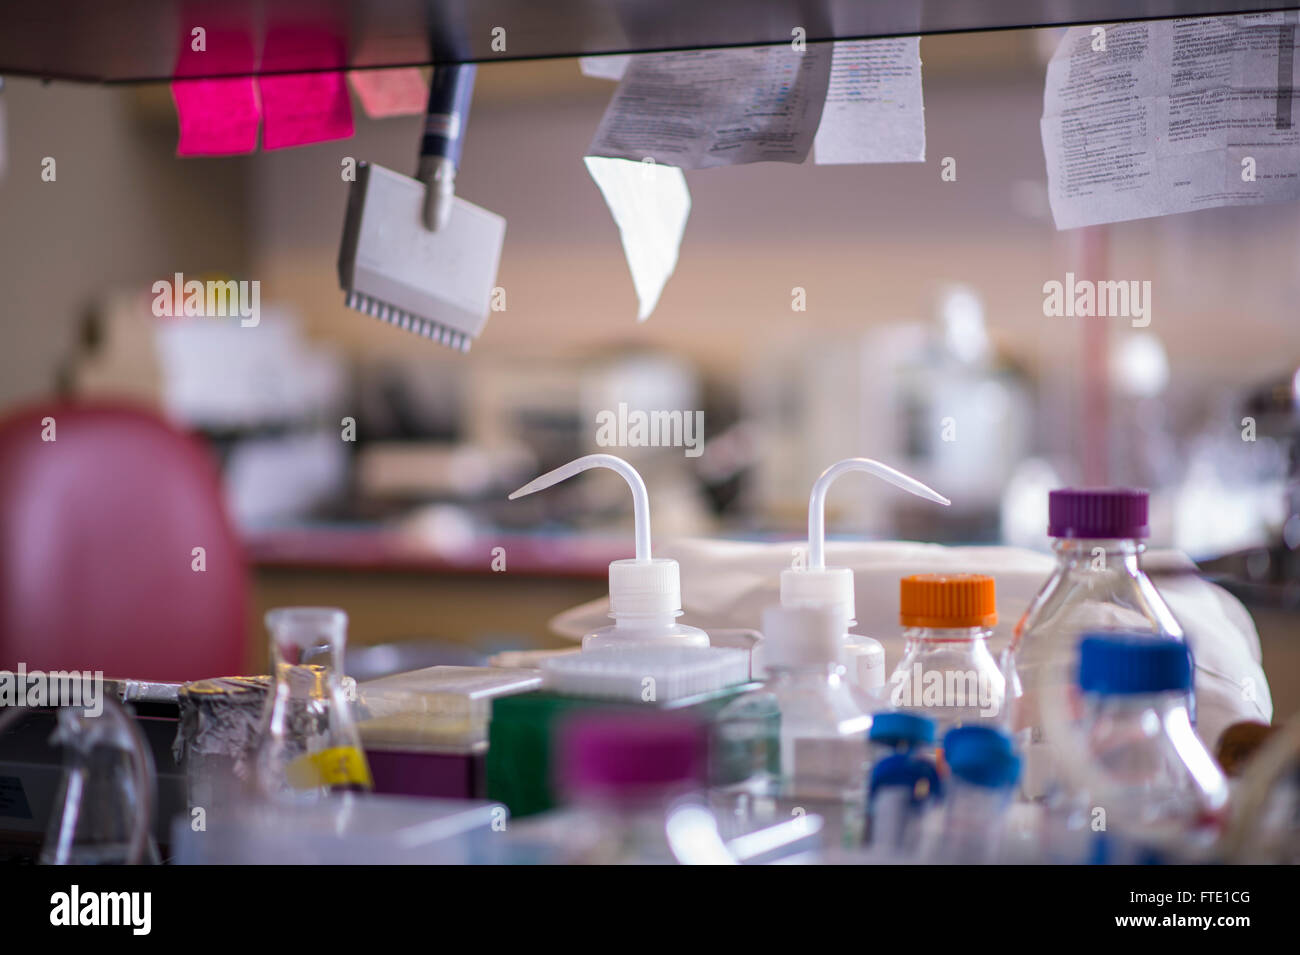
[520,737]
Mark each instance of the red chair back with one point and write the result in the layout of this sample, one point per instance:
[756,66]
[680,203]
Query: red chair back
[98,535]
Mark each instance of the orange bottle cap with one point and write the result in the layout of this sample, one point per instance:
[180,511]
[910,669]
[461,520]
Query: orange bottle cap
[948,601]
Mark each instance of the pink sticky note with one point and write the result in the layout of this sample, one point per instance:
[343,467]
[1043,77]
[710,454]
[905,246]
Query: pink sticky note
[216,117]
[302,108]
[384,93]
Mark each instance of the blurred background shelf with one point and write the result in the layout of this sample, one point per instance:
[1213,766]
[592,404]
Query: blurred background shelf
[137,40]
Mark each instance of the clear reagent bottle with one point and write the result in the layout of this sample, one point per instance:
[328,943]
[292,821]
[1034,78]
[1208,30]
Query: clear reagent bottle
[983,769]
[806,729]
[863,657]
[902,790]
[1097,584]
[947,672]
[645,593]
[1145,763]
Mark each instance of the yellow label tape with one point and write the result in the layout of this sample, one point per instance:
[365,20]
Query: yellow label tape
[336,766]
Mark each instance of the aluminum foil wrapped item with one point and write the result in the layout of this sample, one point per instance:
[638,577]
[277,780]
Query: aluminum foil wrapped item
[218,730]
[222,716]
[220,724]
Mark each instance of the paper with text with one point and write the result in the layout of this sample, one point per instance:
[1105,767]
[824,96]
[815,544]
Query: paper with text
[705,108]
[1148,119]
[874,107]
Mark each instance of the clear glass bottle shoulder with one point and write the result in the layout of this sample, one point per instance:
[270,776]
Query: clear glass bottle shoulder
[949,676]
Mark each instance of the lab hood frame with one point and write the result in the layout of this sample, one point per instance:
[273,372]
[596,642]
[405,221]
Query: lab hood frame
[150,40]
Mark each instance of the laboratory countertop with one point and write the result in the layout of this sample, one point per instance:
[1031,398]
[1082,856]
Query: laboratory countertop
[381,550]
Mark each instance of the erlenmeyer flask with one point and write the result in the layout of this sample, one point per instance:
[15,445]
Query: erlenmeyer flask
[105,801]
[309,745]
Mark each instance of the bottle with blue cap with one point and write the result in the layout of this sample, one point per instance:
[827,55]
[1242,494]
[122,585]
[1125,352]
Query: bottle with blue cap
[900,733]
[1142,762]
[1098,584]
[983,770]
[904,787]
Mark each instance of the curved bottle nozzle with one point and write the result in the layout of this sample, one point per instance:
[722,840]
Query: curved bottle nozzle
[817,500]
[643,586]
[640,497]
[821,584]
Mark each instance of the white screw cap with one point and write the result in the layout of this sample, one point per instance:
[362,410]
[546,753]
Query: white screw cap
[645,586]
[829,585]
[802,636]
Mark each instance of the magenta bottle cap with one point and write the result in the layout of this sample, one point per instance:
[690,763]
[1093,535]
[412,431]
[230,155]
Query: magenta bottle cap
[1105,512]
[616,753]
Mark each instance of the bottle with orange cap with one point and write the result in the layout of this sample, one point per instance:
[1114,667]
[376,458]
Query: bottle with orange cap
[947,671]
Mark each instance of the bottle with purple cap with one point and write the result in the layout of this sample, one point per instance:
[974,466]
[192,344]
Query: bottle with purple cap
[633,782]
[1097,585]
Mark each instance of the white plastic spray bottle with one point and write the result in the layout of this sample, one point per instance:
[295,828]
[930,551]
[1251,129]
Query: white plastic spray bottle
[645,593]
[863,657]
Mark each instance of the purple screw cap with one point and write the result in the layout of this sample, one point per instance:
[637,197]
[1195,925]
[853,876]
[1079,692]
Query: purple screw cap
[615,754]
[1104,512]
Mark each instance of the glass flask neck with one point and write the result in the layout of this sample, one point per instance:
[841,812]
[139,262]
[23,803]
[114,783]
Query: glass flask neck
[307,637]
[306,658]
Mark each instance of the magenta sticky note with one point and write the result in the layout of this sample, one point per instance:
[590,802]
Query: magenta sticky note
[302,108]
[216,117]
[384,93]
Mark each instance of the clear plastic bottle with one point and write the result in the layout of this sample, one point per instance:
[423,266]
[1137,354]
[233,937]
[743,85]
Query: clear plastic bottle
[1098,584]
[983,770]
[903,788]
[309,744]
[645,593]
[816,584]
[632,781]
[1144,763]
[947,672]
[816,759]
